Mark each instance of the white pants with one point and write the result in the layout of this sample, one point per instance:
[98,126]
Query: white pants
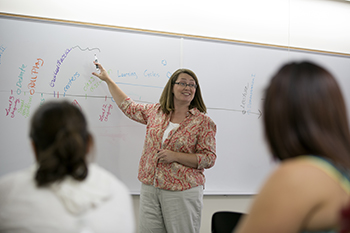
[164,211]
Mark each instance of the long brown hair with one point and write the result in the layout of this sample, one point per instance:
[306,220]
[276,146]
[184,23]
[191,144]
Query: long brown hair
[61,139]
[167,98]
[305,113]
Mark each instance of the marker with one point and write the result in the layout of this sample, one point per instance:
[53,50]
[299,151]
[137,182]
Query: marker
[96,64]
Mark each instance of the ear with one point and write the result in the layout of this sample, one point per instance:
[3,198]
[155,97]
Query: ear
[90,143]
[35,150]
[90,157]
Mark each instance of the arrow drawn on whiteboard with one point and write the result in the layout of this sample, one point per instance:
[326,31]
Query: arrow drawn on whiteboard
[256,113]
[86,48]
[259,113]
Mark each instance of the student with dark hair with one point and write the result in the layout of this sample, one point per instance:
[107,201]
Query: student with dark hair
[63,192]
[179,145]
[306,126]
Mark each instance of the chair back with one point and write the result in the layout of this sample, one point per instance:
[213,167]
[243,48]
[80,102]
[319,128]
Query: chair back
[224,221]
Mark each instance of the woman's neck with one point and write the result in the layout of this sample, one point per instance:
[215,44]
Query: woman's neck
[179,114]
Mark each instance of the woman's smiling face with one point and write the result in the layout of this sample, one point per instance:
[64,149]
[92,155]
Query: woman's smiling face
[184,89]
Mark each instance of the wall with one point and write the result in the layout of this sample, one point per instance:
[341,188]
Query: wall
[311,24]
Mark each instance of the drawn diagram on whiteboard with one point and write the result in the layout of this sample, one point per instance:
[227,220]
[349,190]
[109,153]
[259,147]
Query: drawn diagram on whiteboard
[246,101]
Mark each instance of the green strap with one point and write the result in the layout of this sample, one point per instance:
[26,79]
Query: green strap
[330,170]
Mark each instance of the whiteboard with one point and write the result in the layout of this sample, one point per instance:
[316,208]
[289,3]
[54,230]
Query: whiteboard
[59,55]
[233,77]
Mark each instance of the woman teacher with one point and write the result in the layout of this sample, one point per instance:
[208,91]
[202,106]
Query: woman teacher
[179,145]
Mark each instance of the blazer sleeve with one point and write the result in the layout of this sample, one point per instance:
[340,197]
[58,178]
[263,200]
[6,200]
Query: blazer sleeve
[206,146]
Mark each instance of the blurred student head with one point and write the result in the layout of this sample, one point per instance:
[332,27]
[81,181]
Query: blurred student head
[61,142]
[305,113]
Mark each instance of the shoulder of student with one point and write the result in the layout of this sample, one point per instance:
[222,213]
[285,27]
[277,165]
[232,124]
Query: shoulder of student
[296,174]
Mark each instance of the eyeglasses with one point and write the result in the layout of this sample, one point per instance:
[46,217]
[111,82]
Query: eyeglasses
[182,84]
